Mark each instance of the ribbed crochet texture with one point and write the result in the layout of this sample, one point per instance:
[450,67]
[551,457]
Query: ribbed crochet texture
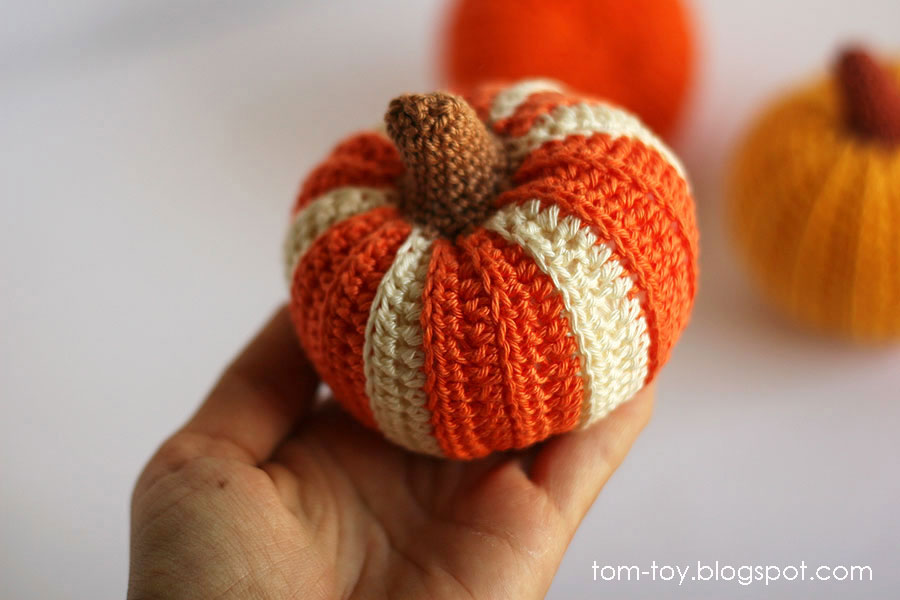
[483,284]
[816,202]
[454,167]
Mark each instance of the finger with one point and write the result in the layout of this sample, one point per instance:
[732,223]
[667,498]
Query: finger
[573,468]
[261,395]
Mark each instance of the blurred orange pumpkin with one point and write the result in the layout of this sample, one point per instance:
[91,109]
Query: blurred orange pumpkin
[636,53]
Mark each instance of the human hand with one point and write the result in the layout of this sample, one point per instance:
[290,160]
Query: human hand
[264,495]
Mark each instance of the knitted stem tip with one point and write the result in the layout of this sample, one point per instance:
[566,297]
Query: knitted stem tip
[454,166]
[871,96]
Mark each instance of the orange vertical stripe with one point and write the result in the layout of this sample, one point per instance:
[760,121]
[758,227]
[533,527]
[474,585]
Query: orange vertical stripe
[365,159]
[501,367]
[636,202]
[332,290]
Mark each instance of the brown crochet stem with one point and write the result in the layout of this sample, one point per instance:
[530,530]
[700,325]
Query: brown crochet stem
[871,96]
[454,166]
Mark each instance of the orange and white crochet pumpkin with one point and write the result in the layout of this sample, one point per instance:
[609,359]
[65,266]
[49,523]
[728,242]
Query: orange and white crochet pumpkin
[491,271]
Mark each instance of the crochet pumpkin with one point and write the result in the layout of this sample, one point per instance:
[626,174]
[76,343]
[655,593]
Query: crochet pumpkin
[816,201]
[637,53]
[491,270]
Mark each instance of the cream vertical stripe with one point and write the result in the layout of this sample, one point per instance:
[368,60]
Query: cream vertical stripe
[323,212]
[393,353]
[610,332]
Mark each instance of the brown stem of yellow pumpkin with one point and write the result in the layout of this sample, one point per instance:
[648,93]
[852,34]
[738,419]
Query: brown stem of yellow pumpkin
[454,166]
[871,96]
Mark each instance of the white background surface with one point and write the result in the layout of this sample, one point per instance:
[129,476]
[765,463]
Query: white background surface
[149,153]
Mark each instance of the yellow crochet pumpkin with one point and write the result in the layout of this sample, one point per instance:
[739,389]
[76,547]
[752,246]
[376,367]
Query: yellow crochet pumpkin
[816,201]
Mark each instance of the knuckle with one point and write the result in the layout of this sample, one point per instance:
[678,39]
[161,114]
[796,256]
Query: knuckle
[181,459]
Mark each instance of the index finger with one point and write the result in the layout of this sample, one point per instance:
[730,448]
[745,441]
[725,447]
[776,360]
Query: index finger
[574,467]
[261,395]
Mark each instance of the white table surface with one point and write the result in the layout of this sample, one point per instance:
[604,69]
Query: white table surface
[149,152]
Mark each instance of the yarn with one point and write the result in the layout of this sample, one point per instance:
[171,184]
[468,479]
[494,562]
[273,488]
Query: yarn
[453,165]
[815,205]
[638,54]
[494,269]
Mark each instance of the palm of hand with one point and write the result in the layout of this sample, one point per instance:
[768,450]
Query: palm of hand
[234,507]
